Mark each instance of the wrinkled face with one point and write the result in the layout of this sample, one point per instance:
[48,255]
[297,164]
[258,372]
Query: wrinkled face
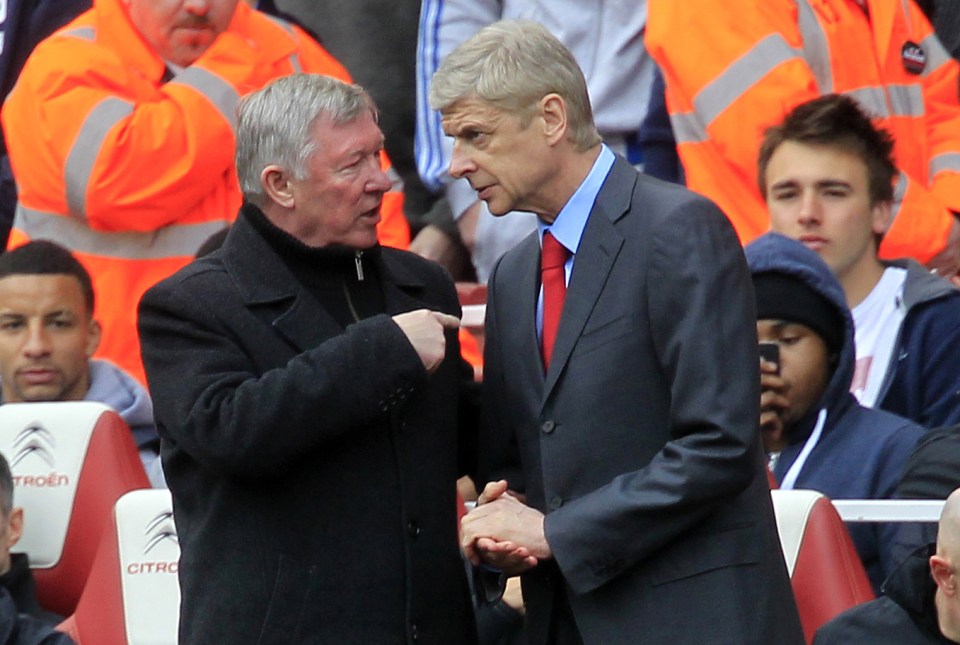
[338,202]
[804,365]
[502,159]
[181,30]
[819,195]
[46,338]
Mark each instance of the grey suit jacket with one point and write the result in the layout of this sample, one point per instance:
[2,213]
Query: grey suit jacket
[641,443]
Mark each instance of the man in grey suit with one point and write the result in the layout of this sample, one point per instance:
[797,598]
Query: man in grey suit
[627,479]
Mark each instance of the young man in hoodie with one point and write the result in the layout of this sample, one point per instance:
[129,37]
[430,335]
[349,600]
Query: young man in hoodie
[827,175]
[48,336]
[921,599]
[815,433]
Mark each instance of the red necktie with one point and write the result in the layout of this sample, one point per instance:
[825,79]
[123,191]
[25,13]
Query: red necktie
[553,279]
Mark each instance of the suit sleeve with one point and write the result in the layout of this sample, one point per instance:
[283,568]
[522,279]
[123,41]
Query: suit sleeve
[232,418]
[703,328]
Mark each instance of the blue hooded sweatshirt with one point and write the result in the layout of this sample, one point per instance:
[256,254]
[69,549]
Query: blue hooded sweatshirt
[861,452]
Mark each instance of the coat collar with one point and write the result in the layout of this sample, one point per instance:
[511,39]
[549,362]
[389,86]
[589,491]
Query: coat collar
[267,285]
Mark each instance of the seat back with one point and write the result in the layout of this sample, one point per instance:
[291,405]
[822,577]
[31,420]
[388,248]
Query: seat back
[70,461]
[825,570]
[132,596]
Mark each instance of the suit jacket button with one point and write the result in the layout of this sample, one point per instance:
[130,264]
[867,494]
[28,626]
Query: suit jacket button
[413,528]
[547,427]
[556,502]
[414,632]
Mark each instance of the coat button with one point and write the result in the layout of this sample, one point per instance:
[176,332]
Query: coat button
[547,427]
[413,528]
[556,502]
[414,631]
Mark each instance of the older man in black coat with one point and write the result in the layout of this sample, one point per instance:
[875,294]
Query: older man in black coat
[307,386]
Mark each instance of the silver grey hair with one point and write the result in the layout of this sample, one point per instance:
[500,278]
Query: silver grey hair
[274,123]
[512,64]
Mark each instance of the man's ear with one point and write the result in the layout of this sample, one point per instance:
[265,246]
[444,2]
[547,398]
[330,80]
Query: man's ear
[553,110]
[277,186]
[942,572]
[94,334]
[15,529]
[881,217]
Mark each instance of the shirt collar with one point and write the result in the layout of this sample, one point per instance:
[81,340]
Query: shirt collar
[568,227]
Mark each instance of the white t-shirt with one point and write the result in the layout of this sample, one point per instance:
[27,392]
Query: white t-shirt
[877,321]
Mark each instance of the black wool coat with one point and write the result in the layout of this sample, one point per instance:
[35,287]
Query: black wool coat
[312,467]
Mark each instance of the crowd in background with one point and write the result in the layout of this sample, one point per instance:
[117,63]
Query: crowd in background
[832,122]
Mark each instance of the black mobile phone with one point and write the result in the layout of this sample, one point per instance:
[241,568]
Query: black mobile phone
[770,352]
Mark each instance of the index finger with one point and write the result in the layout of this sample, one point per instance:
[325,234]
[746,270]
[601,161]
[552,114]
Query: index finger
[448,321]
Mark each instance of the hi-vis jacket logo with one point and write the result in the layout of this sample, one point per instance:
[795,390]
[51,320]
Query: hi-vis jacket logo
[36,444]
[159,530]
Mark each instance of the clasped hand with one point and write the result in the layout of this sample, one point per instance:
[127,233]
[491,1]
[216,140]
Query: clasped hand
[503,532]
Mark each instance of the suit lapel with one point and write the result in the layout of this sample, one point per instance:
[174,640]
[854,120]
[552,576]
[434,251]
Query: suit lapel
[596,255]
[524,293]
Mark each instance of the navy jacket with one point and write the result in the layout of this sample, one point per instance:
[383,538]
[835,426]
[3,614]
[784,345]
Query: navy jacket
[862,452]
[922,382]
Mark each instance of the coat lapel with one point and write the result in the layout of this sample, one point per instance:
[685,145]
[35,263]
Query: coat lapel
[596,255]
[270,290]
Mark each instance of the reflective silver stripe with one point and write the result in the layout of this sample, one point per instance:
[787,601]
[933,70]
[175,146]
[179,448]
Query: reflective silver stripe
[86,33]
[816,48]
[872,100]
[79,166]
[948,161]
[176,240]
[294,57]
[220,93]
[717,95]
[688,128]
[899,191]
[906,100]
[937,54]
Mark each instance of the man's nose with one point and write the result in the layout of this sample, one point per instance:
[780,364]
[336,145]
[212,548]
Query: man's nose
[381,180]
[197,7]
[38,341]
[809,212]
[460,164]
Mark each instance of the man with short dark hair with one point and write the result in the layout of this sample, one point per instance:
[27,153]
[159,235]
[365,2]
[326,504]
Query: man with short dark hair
[826,173]
[48,336]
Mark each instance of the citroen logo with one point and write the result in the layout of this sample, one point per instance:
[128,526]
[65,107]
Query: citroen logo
[34,440]
[159,529]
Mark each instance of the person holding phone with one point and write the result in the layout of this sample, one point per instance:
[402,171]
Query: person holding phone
[814,431]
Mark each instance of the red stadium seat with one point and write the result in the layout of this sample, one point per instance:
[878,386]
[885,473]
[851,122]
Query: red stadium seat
[132,596]
[825,570]
[71,461]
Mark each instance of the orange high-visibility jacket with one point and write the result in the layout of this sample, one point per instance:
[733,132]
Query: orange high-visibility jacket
[734,68]
[133,173]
